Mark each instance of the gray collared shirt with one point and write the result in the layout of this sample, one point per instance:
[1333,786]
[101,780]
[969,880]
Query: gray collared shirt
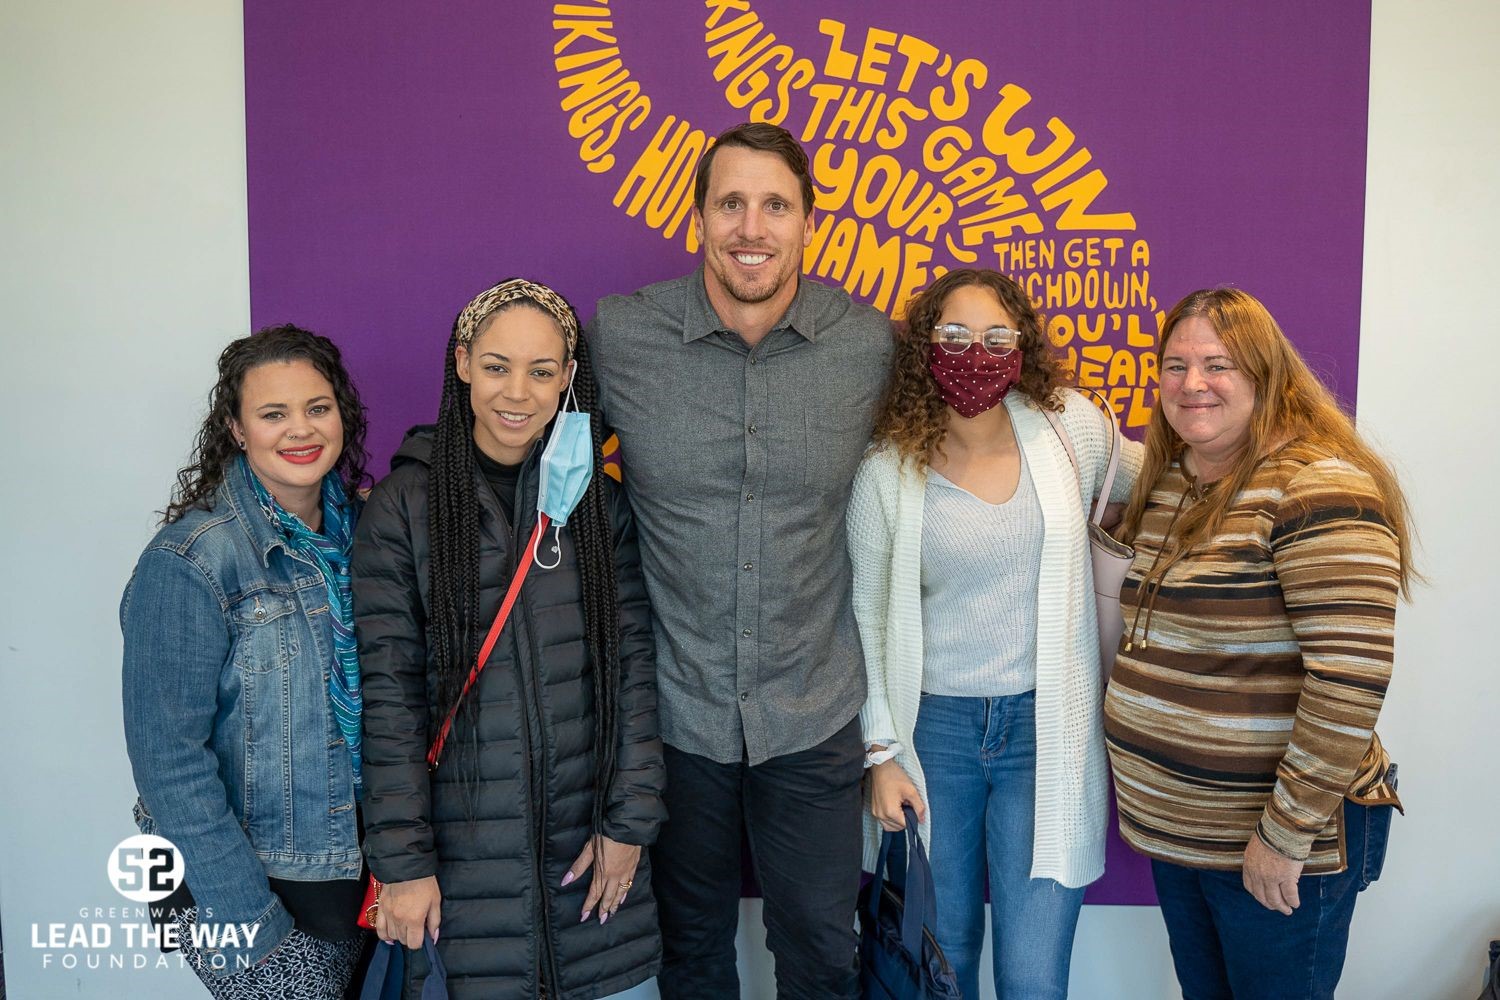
[738,463]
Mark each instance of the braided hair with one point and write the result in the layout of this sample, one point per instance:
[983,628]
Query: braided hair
[453,528]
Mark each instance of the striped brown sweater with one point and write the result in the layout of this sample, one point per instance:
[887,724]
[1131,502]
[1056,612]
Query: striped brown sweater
[1245,696]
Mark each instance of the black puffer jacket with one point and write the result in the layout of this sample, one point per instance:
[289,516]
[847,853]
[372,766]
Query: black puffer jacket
[506,923]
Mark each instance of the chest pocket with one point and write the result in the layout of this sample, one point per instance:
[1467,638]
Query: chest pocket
[837,435]
[262,631]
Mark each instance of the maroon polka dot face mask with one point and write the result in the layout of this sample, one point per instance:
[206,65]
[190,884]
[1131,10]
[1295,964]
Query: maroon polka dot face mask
[974,380]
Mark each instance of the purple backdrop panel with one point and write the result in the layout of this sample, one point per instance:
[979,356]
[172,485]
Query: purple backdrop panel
[1112,156]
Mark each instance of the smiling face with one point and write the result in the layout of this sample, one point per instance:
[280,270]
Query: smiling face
[516,375]
[1205,396]
[753,228]
[291,431]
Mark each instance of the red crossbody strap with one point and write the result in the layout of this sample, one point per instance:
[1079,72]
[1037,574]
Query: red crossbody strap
[489,641]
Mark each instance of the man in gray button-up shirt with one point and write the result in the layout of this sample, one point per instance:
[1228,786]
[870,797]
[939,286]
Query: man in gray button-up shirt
[743,396]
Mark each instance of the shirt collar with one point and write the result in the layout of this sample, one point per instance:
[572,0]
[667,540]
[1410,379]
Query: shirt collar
[699,319]
[236,487]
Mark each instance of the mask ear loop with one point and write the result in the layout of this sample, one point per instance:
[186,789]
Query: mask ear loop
[556,548]
[556,528]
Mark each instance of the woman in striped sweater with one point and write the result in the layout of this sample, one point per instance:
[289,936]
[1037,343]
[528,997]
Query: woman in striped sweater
[1271,544]
[975,604]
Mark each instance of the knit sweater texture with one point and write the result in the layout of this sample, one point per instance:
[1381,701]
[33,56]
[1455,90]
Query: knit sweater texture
[885,538]
[1245,696]
[978,625]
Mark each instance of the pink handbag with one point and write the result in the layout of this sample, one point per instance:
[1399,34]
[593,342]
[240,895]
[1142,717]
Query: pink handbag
[1111,558]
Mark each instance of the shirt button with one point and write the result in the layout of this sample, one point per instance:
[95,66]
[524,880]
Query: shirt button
[744,696]
[749,497]
[752,428]
[749,566]
[746,633]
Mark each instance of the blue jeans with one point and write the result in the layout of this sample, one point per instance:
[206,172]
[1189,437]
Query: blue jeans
[979,758]
[1226,946]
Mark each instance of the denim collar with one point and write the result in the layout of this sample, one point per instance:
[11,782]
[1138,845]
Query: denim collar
[240,495]
[699,318]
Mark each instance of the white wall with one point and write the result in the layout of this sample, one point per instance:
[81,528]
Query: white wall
[123,228]
[1427,392]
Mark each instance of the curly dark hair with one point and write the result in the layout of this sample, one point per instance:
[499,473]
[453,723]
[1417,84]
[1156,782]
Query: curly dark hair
[455,627]
[215,446]
[913,417]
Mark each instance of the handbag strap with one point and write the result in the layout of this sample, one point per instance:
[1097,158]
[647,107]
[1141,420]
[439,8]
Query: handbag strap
[918,897]
[435,986]
[387,968]
[872,905]
[489,640]
[386,973]
[1097,515]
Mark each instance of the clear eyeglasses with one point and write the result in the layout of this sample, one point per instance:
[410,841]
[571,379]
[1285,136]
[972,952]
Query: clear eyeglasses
[955,338]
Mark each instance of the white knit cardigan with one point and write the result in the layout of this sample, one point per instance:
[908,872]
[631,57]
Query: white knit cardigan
[885,545]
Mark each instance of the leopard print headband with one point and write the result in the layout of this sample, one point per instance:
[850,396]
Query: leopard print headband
[515,290]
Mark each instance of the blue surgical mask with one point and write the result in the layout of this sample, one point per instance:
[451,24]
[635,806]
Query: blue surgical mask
[567,465]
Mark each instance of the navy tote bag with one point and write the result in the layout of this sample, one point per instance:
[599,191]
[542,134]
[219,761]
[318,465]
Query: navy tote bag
[386,976]
[899,958]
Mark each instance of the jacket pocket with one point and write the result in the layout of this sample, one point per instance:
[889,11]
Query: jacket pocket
[261,622]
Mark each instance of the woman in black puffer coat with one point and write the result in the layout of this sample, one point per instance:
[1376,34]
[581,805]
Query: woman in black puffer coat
[554,758]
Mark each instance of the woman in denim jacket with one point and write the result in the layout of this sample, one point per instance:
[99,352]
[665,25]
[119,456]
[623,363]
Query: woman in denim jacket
[241,683]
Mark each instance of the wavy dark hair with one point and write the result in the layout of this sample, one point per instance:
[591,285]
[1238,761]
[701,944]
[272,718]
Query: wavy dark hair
[215,446]
[913,417]
[454,626]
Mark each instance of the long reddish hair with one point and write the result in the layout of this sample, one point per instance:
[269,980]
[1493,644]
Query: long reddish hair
[1291,407]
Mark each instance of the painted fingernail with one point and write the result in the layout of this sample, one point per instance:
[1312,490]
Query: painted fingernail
[585,915]
[622,900]
[604,918]
[568,879]
[435,935]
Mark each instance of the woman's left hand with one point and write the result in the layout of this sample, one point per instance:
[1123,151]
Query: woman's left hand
[1270,877]
[612,878]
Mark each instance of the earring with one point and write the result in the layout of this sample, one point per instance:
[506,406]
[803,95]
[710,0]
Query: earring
[241,444]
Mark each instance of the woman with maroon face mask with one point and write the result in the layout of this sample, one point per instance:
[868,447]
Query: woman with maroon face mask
[974,596]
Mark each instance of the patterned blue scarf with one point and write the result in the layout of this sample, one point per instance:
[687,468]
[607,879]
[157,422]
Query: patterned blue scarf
[329,551]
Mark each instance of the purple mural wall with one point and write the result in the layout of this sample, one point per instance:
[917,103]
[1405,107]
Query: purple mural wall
[1113,156]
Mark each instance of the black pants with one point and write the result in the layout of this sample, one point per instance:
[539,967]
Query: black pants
[802,814]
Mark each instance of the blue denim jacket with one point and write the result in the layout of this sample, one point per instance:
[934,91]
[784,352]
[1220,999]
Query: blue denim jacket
[235,749]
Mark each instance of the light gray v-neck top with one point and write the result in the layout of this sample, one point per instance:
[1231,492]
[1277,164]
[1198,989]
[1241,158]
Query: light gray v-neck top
[980,563]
